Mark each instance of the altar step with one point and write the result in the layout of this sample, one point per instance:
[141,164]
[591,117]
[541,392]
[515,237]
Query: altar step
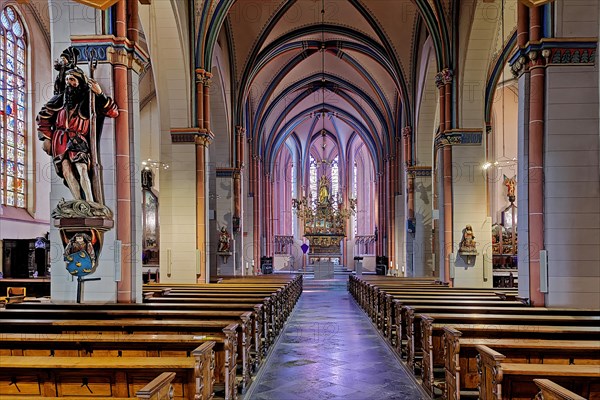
[339,269]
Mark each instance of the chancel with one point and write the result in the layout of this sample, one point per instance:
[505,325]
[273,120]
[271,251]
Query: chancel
[307,199]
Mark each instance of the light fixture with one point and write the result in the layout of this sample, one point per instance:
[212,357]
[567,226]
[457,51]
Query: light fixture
[154,164]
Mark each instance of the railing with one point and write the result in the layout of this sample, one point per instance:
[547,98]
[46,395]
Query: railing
[364,244]
[283,244]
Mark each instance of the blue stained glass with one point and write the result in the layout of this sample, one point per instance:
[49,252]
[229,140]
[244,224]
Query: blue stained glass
[20,171]
[20,54]
[10,65]
[20,113]
[10,95]
[21,98]
[10,81]
[10,13]
[20,69]
[11,124]
[1,101]
[21,127]
[20,83]
[10,37]
[10,50]
[10,180]
[5,21]
[21,44]
[21,156]
[21,142]
[2,169]
[17,28]
[10,152]
[8,109]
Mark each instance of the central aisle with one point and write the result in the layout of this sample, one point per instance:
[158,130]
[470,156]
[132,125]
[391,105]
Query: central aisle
[330,350]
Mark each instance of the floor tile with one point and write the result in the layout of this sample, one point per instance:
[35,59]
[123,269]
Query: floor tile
[329,349]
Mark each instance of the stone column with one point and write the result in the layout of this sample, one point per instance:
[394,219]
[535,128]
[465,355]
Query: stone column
[443,82]
[201,142]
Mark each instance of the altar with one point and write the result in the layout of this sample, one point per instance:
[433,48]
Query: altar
[324,227]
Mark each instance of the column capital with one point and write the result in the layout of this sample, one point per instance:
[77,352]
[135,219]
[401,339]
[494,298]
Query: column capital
[554,51]
[109,49]
[407,131]
[194,135]
[240,130]
[443,77]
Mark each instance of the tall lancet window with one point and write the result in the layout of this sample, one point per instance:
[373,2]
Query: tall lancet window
[335,177]
[313,178]
[355,196]
[13,111]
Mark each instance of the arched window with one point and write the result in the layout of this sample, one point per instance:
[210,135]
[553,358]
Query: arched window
[13,109]
[335,177]
[313,178]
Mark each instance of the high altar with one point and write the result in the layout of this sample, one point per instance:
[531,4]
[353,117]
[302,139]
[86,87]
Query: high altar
[324,226]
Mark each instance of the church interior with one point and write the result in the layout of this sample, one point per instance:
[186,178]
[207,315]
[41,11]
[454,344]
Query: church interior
[239,199]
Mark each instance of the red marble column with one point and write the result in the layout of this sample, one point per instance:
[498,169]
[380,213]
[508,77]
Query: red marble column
[123,164]
[536,162]
[200,98]
[448,217]
[522,24]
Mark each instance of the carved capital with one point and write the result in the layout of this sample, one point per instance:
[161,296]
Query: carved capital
[443,77]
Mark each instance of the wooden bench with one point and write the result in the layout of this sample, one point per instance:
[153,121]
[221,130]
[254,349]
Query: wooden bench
[244,323]
[223,333]
[460,364]
[160,388]
[429,340]
[552,391]
[93,377]
[500,380]
[177,310]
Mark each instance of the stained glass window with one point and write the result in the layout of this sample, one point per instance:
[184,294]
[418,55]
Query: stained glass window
[13,109]
[313,178]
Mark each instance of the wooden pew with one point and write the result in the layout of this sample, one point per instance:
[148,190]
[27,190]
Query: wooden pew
[223,333]
[243,320]
[93,377]
[460,365]
[160,388]
[177,310]
[551,391]
[405,307]
[500,380]
[429,341]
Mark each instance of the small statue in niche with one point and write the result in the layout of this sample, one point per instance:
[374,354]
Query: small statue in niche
[224,239]
[467,243]
[511,184]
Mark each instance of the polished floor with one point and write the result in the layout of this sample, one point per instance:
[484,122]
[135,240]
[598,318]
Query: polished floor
[330,350]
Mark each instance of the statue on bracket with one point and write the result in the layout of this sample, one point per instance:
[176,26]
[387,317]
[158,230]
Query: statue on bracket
[66,127]
[467,243]
[69,126]
[511,184]
[224,239]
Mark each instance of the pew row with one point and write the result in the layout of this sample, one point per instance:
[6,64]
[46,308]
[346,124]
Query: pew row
[222,333]
[460,356]
[501,380]
[109,377]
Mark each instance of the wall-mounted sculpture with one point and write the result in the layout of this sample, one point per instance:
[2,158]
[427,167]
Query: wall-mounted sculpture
[70,126]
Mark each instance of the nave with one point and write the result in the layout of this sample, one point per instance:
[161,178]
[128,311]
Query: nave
[329,349]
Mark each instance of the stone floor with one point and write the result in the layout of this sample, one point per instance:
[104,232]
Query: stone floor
[330,350]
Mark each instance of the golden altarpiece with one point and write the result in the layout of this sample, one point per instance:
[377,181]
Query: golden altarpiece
[325,221]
